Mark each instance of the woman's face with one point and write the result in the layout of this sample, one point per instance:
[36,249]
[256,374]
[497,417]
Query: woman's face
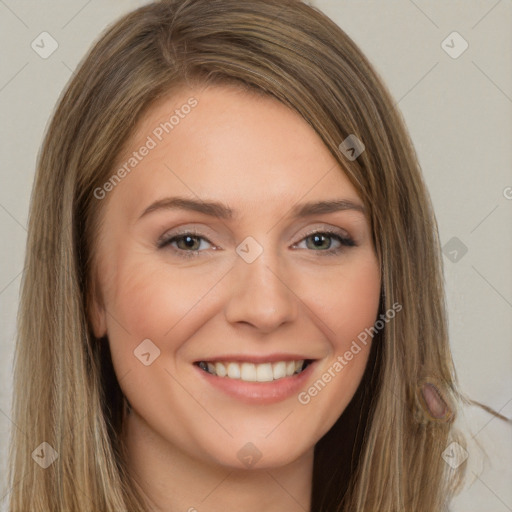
[266,261]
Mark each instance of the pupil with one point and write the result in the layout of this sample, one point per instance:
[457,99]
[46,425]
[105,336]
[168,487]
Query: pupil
[318,240]
[189,241]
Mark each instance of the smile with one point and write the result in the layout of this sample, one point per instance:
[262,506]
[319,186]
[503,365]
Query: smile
[251,372]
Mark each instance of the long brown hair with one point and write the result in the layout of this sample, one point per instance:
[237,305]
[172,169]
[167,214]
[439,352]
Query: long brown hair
[385,451]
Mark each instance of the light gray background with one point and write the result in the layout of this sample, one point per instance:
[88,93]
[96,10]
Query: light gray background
[458,111]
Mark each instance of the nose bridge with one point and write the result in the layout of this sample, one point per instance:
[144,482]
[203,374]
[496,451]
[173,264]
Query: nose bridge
[259,294]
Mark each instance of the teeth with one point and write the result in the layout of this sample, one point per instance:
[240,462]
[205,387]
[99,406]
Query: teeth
[250,372]
[264,372]
[220,370]
[279,370]
[233,371]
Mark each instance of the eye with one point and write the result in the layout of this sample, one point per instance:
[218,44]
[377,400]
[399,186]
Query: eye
[188,243]
[321,241]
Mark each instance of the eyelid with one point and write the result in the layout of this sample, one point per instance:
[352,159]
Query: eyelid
[327,229]
[331,231]
[194,231]
[344,239]
[168,235]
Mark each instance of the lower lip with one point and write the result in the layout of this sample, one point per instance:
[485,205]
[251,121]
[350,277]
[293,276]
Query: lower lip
[259,392]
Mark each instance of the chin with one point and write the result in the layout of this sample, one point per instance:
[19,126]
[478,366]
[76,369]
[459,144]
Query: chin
[253,453]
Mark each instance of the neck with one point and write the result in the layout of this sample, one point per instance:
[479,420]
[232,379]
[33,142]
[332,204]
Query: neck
[172,480]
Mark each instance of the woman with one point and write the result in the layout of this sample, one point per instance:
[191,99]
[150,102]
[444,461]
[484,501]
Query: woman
[248,372]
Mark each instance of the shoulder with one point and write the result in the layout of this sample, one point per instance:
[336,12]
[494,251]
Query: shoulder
[488,464]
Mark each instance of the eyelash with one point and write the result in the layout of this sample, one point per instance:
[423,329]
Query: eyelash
[343,240]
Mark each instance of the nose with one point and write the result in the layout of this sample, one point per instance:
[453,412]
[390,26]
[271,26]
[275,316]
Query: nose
[260,294]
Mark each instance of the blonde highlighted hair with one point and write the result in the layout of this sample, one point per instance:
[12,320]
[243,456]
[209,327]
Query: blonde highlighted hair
[391,436]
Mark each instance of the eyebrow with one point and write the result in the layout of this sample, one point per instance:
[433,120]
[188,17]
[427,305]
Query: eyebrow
[220,211]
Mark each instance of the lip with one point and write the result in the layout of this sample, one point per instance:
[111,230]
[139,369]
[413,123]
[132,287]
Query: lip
[258,392]
[256,358]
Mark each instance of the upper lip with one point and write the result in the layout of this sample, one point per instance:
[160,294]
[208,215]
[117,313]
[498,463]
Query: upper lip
[256,358]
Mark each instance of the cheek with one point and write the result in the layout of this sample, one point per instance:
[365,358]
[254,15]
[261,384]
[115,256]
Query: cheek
[149,301]
[358,306]
[351,301]
[349,311]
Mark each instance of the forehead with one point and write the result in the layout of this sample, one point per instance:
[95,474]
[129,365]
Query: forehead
[225,143]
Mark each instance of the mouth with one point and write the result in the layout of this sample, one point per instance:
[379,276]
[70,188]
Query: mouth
[254,372]
[256,379]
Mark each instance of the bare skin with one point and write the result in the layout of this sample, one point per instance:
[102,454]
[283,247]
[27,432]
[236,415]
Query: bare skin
[193,446]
